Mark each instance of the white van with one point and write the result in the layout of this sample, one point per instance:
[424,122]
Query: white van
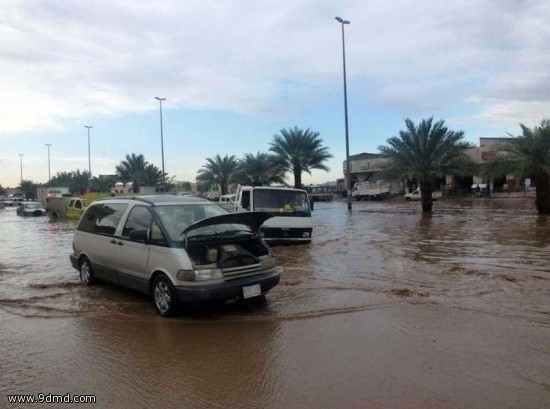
[177,249]
[227,201]
[290,208]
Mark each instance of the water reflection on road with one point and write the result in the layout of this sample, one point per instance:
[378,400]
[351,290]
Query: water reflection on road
[386,306]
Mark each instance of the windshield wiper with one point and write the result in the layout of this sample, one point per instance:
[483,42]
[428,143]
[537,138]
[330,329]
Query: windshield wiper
[221,233]
[199,235]
[236,231]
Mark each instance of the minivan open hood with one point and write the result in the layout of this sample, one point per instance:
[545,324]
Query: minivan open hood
[251,219]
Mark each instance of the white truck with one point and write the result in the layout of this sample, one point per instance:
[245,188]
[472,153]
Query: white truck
[290,207]
[370,190]
[66,207]
[416,195]
[43,193]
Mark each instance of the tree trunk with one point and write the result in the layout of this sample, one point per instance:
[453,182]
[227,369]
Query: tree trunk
[297,178]
[426,195]
[542,200]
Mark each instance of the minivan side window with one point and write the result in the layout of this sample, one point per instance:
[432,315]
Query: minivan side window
[140,218]
[78,204]
[102,218]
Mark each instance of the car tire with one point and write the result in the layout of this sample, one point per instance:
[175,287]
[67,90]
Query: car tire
[164,296]
[86,272]
[408,199]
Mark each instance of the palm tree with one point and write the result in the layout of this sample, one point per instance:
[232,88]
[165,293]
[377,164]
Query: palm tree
[103,183]
[28,188]
[426,151]
[300,151]
[218,171]
[75,180]
[151,175]
[79,181]
[528,156]
[131,170]
[261,169]
[60,179]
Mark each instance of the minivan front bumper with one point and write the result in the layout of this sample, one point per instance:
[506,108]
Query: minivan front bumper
[227,290]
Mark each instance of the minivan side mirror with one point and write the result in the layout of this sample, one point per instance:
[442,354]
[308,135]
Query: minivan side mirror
[139,235]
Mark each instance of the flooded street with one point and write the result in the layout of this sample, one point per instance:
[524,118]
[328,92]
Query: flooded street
[386,308]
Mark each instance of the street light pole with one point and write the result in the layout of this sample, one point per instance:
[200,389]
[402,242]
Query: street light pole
[49,175]
[89,157]
[21,161]
[348,178]
[161,139]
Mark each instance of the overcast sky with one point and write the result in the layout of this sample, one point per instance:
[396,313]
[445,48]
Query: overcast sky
[236,72]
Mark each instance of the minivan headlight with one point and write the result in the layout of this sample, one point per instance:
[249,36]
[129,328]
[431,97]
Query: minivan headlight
[204,274]
[268,263]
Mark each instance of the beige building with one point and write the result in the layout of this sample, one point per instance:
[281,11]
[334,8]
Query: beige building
[364,166]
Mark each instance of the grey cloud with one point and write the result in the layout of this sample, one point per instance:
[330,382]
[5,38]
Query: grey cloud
[110,58]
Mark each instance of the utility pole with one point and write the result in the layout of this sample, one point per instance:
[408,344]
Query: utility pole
[348,176]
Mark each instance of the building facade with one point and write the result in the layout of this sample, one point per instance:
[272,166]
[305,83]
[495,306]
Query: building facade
[365,166]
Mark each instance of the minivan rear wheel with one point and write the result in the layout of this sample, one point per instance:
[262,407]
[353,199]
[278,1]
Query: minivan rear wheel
[86,272]
[165,298]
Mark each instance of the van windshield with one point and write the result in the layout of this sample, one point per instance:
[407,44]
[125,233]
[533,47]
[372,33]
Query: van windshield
[281,202]
[176,218]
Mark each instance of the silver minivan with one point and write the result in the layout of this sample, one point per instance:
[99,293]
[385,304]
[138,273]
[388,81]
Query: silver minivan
[178,250]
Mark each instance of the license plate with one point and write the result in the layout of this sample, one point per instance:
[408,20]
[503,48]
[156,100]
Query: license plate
[252,291]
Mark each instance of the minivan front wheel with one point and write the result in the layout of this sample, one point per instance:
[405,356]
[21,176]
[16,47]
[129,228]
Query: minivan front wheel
[165,297]
[86,272]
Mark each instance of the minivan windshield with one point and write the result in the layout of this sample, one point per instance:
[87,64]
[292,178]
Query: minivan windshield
[176,218]
[281,202]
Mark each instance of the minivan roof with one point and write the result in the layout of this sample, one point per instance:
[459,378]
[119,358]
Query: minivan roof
[272,188]
[161,199]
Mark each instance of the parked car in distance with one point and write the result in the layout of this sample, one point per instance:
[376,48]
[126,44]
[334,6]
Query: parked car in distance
[13,201]
[415,195]
[227,201]
[228,198]
[179,250]
[214,197]
[30,209]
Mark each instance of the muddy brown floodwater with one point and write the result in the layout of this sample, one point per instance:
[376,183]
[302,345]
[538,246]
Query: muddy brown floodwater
[386,308]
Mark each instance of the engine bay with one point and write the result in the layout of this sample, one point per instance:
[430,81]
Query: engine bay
[227,255]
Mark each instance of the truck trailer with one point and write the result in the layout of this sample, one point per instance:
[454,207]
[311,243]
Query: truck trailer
[370,190]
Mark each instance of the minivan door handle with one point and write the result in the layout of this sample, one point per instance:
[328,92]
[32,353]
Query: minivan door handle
[120,243]
[113,241]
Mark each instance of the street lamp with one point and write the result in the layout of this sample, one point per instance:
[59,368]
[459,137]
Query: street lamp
[48,145]
[161,139]
[21,160]
[348,178]
[89,157]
